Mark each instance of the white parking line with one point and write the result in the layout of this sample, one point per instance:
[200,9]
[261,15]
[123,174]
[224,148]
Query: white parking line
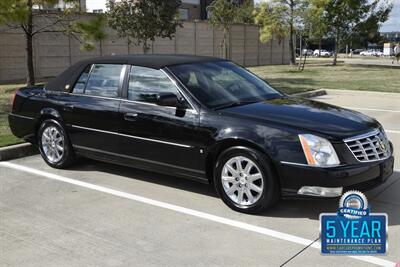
[195,213]
[375,109]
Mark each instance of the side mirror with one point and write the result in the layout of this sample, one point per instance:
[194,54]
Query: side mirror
[170,100]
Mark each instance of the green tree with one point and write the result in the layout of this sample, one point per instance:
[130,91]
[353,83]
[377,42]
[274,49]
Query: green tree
[223,13]
[89,32]
[346,18]
[144,20]
[32,18]
[271,21]
[292,12]
[367,32]
[245,13]
[316,21]
[279,18]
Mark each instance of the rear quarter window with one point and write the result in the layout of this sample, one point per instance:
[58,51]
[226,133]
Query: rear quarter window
[81,82]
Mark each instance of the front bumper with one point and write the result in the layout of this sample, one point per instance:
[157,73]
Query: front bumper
[361,177]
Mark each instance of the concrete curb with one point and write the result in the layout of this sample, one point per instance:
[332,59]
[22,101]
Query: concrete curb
[311,94]
[17,151]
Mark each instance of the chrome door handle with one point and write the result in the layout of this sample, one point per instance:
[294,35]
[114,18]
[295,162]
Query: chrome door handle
[130,116]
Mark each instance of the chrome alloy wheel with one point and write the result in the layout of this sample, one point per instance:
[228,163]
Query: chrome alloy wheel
[242,180]
[53,144]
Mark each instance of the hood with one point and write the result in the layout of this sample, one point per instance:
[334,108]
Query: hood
[307,115]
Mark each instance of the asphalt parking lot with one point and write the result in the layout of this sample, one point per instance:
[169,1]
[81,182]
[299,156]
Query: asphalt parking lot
[97,214]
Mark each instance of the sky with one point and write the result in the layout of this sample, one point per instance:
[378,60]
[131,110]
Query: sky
[392,24]
[95,4]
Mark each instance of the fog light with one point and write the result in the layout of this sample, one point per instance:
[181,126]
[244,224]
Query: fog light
[320,191]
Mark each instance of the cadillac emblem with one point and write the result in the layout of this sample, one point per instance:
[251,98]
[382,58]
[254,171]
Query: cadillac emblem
[382,145]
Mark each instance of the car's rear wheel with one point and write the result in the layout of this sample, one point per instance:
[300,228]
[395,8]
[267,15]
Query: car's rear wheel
[54,144]
[245,180]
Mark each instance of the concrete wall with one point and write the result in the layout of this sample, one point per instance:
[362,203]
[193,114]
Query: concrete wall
[54,52]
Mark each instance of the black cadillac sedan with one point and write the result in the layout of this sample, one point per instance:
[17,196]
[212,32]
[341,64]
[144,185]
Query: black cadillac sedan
[206,119]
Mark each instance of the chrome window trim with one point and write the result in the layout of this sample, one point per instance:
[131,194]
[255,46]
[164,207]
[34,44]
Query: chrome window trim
[86,82]
[95,96]
[127,100]
[122,80]
[131,136]
[155,105]
[21,116]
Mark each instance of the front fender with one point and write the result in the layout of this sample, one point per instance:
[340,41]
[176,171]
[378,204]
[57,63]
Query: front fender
[278,142]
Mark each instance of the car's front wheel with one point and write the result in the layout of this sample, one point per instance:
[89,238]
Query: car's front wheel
[54,145]
[245,180]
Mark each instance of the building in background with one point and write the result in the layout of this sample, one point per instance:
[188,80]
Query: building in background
[189,10]
[197,9]
[392,37]
[62,5]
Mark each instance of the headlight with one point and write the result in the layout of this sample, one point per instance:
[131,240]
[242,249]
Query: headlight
[318,151]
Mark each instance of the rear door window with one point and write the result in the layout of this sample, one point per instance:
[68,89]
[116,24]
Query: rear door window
[104,80]
[99,80]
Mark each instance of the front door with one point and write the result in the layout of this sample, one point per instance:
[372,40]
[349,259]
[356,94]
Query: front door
[163,136]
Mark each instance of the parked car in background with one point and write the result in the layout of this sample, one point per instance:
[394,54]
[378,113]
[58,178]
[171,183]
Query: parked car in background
[205,119]
[372,52]
[323,53]
[368,52]
[357,51]
[378,53]
[307,52]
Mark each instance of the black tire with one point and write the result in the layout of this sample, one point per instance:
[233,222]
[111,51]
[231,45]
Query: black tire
[68,155]
[271,191]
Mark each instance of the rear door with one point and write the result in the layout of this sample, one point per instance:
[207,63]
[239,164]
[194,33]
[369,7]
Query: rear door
[90,111]
[163,136]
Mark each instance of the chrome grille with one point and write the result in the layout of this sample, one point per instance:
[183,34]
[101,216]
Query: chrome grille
[368,147]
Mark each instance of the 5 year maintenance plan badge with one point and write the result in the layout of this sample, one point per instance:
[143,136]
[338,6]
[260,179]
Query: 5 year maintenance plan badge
[353,229]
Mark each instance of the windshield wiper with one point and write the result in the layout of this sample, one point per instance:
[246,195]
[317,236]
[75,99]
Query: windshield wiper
[235,104]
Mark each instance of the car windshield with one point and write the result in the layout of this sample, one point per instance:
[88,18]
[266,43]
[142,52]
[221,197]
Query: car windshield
[223,84]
